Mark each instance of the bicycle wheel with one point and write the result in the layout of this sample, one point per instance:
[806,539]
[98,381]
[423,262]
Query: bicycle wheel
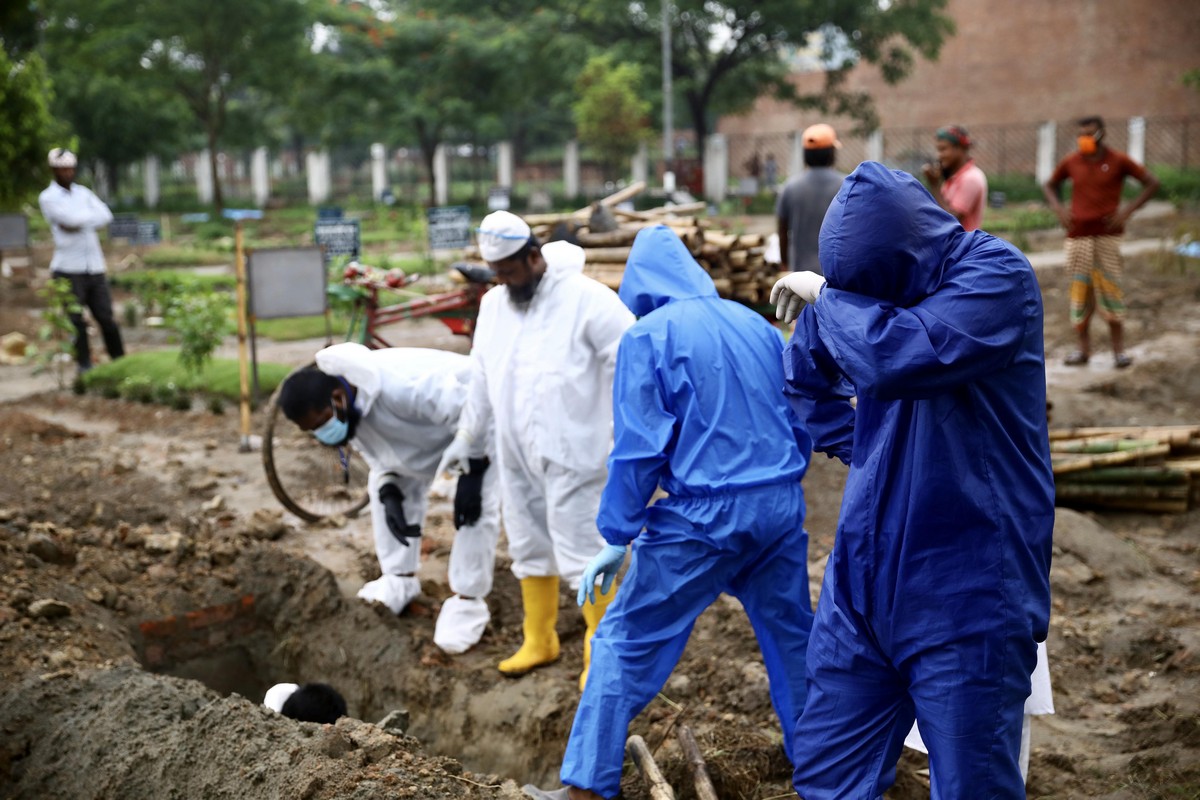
[308,478]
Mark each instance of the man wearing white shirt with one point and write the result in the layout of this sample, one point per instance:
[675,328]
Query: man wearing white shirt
[74,214]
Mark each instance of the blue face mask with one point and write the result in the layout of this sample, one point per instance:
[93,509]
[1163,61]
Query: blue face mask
[334,432]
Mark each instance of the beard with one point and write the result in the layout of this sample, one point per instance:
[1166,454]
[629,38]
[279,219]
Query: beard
[521,296]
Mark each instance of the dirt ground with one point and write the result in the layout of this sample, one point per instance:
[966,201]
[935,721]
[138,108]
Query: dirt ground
[151,590]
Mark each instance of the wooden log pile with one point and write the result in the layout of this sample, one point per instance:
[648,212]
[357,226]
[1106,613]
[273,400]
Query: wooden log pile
[1128,468]
[735,261]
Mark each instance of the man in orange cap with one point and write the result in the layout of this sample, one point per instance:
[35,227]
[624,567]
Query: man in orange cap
[805,198]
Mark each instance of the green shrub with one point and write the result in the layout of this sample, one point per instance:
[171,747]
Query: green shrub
[201,319]
[137,387]
[1179,186]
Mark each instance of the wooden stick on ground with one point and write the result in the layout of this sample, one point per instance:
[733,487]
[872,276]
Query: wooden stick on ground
[704,785]
[655,782]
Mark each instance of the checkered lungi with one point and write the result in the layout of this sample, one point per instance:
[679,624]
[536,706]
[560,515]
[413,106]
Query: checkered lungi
[1094,265]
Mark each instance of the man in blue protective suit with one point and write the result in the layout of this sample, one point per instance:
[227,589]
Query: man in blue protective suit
[937,591]
[697,411]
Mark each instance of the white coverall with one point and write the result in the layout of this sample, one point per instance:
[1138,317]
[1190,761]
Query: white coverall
[542,377]
[410,400]
[1039,702]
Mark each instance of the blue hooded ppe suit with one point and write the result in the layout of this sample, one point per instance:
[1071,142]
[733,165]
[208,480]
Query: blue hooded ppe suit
[698,410]
[937,590]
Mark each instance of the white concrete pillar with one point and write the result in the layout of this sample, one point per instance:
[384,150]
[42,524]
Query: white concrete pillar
[441,175]
[204,184]
[639,168]
[316,170]
[277,168]
[716,167]
[874,146]
[504,164]
[260,178]
[571,169]
[796,163]
[150,185]
[1047,132]
[1137,139]
[239,169]
[378,171]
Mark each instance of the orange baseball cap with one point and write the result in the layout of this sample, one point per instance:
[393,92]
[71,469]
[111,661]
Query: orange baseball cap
[820,136]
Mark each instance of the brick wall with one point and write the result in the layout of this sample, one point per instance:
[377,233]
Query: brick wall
[1020,61]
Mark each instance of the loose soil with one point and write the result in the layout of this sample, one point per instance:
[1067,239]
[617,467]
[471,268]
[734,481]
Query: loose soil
[179,592]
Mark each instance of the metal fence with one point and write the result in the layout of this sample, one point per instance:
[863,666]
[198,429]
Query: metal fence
[1172,142]
[754,161]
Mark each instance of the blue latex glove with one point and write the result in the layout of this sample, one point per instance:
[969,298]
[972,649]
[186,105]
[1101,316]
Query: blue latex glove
[607,562]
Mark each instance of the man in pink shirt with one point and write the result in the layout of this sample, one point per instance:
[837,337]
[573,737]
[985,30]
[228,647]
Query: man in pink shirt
[956,183]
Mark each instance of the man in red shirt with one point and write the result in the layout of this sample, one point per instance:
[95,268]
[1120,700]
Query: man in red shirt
[1095,223]
[956,183]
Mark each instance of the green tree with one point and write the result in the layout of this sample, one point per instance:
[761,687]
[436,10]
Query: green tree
[610,115]
[27,129]
[109,100]
[724,55]
[223,57]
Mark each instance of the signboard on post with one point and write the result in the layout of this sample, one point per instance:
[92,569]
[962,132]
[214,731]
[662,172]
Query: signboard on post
[14,232]
[499,198]
[148,232]
[123,226]
[338,237]
[449,227]
[286,282]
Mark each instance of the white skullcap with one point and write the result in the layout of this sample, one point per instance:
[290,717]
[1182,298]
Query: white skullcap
[61,157]
[278,694]
[501,234]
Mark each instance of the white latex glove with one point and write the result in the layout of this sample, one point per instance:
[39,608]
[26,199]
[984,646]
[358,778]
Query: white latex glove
[456,459]
[791,292]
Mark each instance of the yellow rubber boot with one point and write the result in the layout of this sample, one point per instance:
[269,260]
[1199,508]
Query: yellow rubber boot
[592,614]
[540,598]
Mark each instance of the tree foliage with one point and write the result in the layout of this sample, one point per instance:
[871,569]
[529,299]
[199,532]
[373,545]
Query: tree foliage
[26,128]
[726,54]
[611,114]
[223,57]
[110,102]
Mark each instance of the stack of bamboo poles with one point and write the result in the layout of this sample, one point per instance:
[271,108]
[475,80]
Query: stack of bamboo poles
[1137,469]
[735,261]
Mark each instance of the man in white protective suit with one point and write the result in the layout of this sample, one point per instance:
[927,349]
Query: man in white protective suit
[541,377]
[400,408]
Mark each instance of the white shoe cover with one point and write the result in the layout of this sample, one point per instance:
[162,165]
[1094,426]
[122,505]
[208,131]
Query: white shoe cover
[460,624]
[393,591]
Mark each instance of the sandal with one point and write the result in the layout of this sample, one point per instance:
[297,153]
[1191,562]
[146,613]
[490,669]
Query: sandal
[1076,359]
[1121,361]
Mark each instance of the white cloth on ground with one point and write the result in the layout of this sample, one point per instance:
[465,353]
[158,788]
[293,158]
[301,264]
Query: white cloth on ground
[278,694]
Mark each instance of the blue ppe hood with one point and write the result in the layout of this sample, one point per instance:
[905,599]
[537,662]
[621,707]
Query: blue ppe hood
[660,269]
[884,236]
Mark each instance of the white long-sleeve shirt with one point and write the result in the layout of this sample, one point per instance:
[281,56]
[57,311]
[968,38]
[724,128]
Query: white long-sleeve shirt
[543,376]
[75,252]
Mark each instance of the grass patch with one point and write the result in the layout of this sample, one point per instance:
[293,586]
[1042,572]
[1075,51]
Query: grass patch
[291,329]
[176,256]
[153,373]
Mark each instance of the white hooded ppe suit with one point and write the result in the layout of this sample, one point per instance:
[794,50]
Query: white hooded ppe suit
[541,377]
[410,401]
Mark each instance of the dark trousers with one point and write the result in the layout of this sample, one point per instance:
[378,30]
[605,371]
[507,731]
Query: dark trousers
[91,292]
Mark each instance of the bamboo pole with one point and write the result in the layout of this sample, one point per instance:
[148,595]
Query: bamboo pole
[1135,432]
[655,782]
[1165,474]
[607,255]
[703,783]
[1079,491]
[1102,445]
[243,355]
[1083,462]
